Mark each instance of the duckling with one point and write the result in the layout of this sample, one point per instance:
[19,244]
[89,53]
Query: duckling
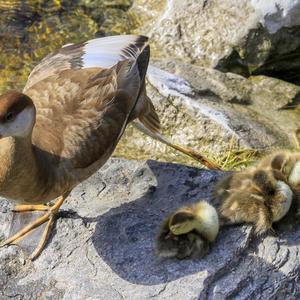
[253,196]
[188,231]
[286,165]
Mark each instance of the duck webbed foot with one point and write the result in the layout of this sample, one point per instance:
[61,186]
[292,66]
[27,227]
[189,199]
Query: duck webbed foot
[48,219]
[29,207]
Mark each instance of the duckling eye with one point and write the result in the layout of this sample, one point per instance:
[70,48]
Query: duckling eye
[9,116]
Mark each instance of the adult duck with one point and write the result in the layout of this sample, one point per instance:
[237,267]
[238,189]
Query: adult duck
[68,120]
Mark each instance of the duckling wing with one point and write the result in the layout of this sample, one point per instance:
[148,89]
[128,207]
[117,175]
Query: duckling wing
[97,53]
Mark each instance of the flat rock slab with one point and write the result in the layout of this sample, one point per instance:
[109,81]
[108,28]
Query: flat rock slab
[103,245]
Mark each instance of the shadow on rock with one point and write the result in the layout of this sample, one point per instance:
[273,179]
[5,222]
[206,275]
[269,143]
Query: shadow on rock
[124,236]
[96,241]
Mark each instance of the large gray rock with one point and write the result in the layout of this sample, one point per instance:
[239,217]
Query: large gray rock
[245,36]
[102,247]
[206,109]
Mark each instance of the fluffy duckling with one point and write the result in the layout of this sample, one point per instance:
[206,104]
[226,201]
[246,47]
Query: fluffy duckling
[188,231]
[285,163]
[287,166]
[254,196]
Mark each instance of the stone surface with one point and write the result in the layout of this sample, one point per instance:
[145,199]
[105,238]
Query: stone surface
[102,247]
[245,37]
[205,109]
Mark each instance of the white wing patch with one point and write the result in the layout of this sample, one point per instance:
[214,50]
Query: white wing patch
[108,51]
[97,53]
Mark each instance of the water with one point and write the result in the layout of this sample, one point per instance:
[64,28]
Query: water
[31,29]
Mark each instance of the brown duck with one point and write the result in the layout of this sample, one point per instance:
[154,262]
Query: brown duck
[68,120]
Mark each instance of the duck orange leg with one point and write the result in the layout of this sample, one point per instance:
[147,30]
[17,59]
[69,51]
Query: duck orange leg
[30,207]
[49,217]
[155,134]
[196,155]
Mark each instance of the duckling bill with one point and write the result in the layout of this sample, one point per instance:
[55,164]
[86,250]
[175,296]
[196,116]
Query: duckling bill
[188,232]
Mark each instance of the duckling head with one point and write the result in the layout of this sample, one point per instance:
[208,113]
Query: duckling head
[284,163]
[289,165]
[182,221]
[200,217]
[17,115]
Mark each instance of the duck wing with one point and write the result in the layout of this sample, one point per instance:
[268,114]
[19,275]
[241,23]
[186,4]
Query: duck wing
[101,52]
[83,111]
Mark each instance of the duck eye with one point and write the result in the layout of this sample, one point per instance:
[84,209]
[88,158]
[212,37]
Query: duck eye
[9,116]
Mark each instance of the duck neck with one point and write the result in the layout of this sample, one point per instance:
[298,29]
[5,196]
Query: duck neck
[18,169]
[24,155]
[22,143]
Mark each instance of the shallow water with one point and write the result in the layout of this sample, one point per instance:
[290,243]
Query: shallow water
[31,29]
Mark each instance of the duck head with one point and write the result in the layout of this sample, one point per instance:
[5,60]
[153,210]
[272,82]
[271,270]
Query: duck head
[17,115]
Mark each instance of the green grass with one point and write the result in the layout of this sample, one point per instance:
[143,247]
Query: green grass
[237,158]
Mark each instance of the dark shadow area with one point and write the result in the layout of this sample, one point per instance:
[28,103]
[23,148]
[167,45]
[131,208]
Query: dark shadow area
[125,236]
[280,59]
[124,239]
[293,104]
[287,229]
